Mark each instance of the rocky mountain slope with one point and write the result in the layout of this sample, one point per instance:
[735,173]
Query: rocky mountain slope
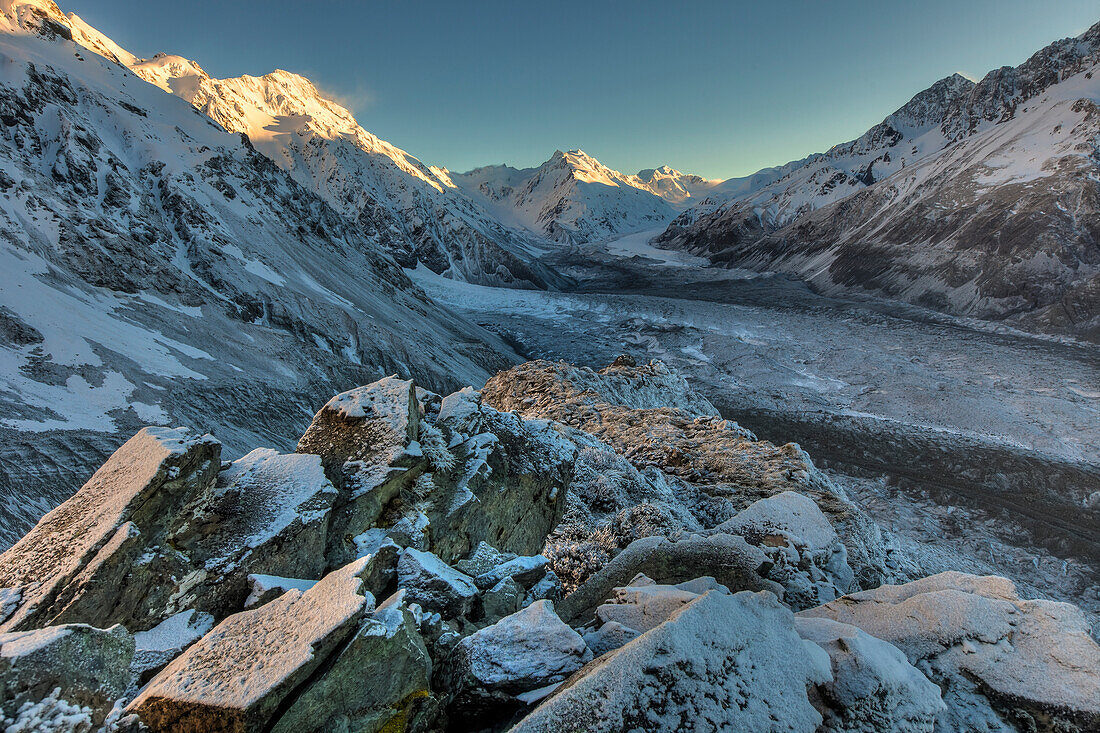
[975,199]
[156,269]
[611,552]
[574,198]
[411,210]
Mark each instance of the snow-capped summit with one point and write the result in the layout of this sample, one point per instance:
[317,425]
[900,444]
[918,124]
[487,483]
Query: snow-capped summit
[412,210]
[325,148]
[679,189]
[572,197]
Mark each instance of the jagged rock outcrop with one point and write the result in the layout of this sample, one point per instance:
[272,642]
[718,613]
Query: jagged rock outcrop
[251,585]
[716,467]
[82,562]
[433,480]
[160,529]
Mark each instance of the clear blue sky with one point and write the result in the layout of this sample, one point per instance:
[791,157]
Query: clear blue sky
[716,88]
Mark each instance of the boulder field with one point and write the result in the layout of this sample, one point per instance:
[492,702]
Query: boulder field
[564,550]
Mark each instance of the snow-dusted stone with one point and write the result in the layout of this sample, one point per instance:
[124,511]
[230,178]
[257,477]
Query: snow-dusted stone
[788,515]
[379,681]
[84,561]
[269,587]
[503,599]
[90,667]
[524,570]
[508,487]
[1000,661]
[237,675]
[547,589]
[482,559]
[267,515]
[809,559]
[728,559]
[158,646]
[874,687]
[722,662]
[370,424]
[609,636]
[529,649]
[433,584]
[643,604]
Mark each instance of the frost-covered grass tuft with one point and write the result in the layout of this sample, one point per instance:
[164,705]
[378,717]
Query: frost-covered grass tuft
[574,559]
[49,715]
[435,448]
[598,479]
[422,487]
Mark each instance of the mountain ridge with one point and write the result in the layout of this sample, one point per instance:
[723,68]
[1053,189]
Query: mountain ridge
[961,226]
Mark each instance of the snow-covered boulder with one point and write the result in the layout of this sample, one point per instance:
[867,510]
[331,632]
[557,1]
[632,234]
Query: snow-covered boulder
[524,570]
[379,681]
[609,636]
[874,687]
[547,589]
[1001,662]
[88,667]
[155,648]
[371,425]
[643,604]
[728,559]
[237,676]
[525,651]
[503,599]
[87,560]
[529,649]
[721,662]
[808,558]
[482,559]
[434,585]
